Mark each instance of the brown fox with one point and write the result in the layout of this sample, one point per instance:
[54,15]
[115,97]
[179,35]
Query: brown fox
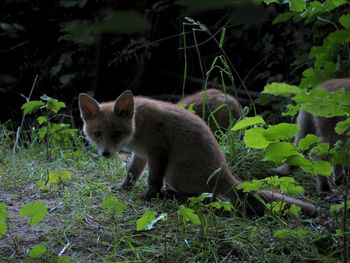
[322,127]
[178,146]
[213,104]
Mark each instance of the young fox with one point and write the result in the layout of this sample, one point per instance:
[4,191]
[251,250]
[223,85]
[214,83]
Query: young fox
[178,146]
[322,127]
[212,104]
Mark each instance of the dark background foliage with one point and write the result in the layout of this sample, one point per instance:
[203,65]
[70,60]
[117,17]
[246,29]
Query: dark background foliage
[75,46]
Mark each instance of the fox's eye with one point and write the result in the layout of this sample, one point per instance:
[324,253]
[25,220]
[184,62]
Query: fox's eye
[97,134]
[117,134]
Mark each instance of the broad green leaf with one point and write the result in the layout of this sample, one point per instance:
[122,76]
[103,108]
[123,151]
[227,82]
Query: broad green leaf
[55,105]
[294,210]
[249,121]
[282,233]
[322,168]
[65,175]
[37,251]
[283,89]
[162,216]
[282,17]
[36,211]
[42,132]
[53,178]
[32,106]
[292,110]
[199,199]
[254,138]
[64,259]
[42,119]
[3,219]
[300,161]
[227,206]
[188,215]
[271,1]
[281,131]
[307,141]
[253,185]
[279,151]
[147,217]
[320,148]
[276,207]
[113,206]
[285,233]
[345,21]
[297,5]
[342,126]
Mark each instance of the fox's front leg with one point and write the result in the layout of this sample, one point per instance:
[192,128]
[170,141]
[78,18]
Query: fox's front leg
[157,167]
[135,169]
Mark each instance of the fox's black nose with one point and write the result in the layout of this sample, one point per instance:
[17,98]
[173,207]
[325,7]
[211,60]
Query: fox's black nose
[106,153]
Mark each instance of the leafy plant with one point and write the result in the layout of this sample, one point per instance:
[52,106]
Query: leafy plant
[35,211]
[47,131]
[3,219]
[37,251]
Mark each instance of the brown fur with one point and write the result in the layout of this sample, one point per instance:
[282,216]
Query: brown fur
[322,127]
[223,106]
[178,146]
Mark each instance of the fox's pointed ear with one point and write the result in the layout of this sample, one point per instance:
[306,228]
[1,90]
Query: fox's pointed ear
[124,105]
[89,107]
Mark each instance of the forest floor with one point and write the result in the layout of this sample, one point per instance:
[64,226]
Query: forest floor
[77,228]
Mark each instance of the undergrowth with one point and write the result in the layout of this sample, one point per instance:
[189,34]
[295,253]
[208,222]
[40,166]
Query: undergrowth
[78,229]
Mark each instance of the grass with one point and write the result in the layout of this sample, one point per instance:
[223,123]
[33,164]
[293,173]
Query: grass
[78,227]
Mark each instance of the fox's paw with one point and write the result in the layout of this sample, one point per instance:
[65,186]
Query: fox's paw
[152,193]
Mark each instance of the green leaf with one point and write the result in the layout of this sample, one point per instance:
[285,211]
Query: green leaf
[292,110]
[222,37]
[65,175]
[32,106]
[300,161]
[42,119]
[279,151]
[281,131]
[3,219]
[285,233]
[227,206]
[162,216]
[199,199]
[345,21]
[322,168]
[55,105]
[188,215]
[113,206]
[297,5]
[294,210]
[282,17]
[37,251]
[254,138]
[249,121]
[64,259]
[36,211]
[342,126]
[253,185]
[320,148]
[307,141]
[147,217]
[53,178]
[282,89]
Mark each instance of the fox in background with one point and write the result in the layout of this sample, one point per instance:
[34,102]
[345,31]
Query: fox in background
[179,148]
[324,128]
[216,108]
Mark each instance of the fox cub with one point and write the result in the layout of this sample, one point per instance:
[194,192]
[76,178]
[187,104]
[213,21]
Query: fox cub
[322,127]
[177,145]
[216,108]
